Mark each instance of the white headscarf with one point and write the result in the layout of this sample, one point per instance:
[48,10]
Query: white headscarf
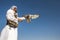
[13,7]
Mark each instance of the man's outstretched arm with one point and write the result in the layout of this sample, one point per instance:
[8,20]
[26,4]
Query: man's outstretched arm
[21,19]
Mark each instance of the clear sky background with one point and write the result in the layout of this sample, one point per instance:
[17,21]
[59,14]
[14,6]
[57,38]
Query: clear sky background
[47,27]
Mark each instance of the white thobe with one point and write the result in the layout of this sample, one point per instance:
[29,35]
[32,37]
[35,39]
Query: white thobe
[9,33]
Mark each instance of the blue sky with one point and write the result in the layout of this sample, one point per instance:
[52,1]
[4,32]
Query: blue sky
[47,27]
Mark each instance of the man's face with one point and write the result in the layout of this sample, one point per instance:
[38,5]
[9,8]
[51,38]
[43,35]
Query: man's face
[15,9]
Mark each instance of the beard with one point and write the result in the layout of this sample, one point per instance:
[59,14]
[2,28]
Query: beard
[15,11]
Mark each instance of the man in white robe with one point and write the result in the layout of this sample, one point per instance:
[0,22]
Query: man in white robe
[10,31]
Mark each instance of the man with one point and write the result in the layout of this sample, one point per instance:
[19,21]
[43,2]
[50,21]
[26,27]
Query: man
[10,30]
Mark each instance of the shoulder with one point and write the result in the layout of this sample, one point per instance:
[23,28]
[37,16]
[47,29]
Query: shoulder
[9,11]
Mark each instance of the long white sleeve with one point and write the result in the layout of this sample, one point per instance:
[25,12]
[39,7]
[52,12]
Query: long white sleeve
[22,18]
